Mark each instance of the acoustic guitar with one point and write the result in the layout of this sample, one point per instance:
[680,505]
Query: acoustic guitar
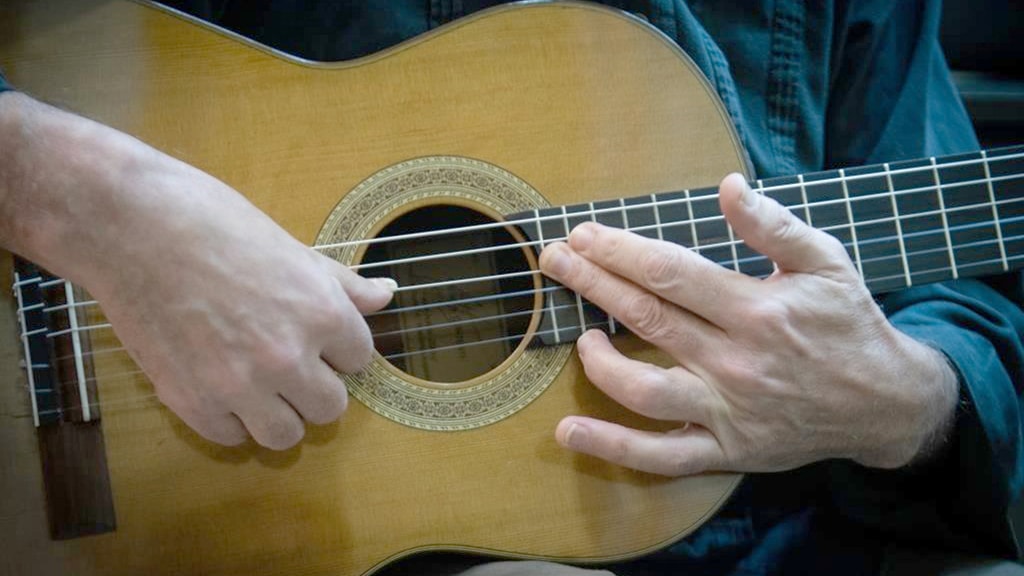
[445,162]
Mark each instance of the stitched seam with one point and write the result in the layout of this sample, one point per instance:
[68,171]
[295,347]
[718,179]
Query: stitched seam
[783,77]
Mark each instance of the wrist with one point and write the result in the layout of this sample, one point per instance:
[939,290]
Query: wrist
[925,414]
[942,405]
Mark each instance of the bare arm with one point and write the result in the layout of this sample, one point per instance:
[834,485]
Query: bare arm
[239,326]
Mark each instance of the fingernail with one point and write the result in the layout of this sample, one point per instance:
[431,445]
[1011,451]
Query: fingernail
[581,237]
[583,343]
[748,197]
[556,261]
[388,284]
[575,436]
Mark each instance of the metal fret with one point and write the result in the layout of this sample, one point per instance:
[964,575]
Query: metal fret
[579,299]
[899,227]
[18,283]
[807,204]
[732,235]
[66,331]
[693,224]
[995,211]
[657,217]
[853,225]
[593,218]
[551,298]
[945,221]
[76,346]
[25,282]
[32,307]
[732,246]
[35,332]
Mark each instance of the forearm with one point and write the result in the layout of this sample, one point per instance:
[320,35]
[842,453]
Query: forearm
[240,327]
[61,191]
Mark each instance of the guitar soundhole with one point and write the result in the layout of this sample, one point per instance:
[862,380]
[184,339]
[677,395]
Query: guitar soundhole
[475,311]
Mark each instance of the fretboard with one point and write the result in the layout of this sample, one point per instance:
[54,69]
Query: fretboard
[903,224]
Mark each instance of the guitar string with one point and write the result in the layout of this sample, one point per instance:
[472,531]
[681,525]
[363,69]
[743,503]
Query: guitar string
[781,187]
[836,227]
[123,375]
[587,326]
[805,184]
[708,219]
[529,292]
[711,246]
[562,307]
[505,295]
[562,289]
[852,225]
[705,247]
[713,219]
[927,170]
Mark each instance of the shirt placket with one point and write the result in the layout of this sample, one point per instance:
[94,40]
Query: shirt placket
[444,11]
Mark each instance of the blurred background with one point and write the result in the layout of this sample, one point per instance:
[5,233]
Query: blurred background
[984,43]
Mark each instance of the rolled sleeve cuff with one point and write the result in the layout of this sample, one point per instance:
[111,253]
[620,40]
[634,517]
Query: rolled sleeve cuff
[960,497]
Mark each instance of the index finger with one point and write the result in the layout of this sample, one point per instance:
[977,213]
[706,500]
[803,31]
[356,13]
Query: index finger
[668,270]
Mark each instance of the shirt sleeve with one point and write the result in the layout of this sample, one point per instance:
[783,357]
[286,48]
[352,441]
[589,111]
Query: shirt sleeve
[4,86]
[893,98]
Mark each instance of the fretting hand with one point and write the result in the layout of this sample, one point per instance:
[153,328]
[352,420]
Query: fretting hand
[772,374]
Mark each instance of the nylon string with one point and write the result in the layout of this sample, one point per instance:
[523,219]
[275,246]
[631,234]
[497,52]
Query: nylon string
[616,209]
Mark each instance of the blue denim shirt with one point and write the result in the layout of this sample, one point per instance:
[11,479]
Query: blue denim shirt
[809,86]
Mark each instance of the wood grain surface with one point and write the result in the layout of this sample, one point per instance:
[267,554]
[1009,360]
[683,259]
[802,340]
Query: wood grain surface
[580,102]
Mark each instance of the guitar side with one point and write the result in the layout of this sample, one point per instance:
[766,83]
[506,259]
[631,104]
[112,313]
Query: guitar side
[581,103]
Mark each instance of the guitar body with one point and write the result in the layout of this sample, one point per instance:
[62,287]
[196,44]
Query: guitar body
[579,102]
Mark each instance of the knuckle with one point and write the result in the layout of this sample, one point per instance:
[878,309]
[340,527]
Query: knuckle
[643,393]
[787,227]
[334,311]
[226,390]
[620,451]
[331,317]
[583,279]
[282,359]
[678,463]
[224,431]
[772,316]
[328,408]
[744,372]
[834,246]
[646,315]
[234,438]
[360,352]
[351,345]
[661,268]
[281,434]
[611,244]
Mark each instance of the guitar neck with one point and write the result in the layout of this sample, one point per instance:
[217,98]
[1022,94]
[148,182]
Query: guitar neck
[903,224]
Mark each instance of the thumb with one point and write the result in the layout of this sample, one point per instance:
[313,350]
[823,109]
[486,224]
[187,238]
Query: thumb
[367,294]
[772,230]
